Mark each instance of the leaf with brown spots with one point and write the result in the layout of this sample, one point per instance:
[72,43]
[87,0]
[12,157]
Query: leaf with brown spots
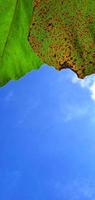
[62,34]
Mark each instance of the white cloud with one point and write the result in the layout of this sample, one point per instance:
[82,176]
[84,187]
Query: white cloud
[92,90]
[87,83]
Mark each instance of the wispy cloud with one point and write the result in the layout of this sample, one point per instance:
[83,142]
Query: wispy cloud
[75,108]
[80,189]
[27,111]
[76,189]
[74,111]
[87,83]
[9,96]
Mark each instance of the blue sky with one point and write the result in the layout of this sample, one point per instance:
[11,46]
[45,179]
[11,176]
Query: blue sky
[47,137]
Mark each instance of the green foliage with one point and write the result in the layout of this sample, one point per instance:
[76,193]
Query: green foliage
[16,56]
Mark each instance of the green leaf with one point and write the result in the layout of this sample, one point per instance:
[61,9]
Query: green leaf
[62,34]
[16,56]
